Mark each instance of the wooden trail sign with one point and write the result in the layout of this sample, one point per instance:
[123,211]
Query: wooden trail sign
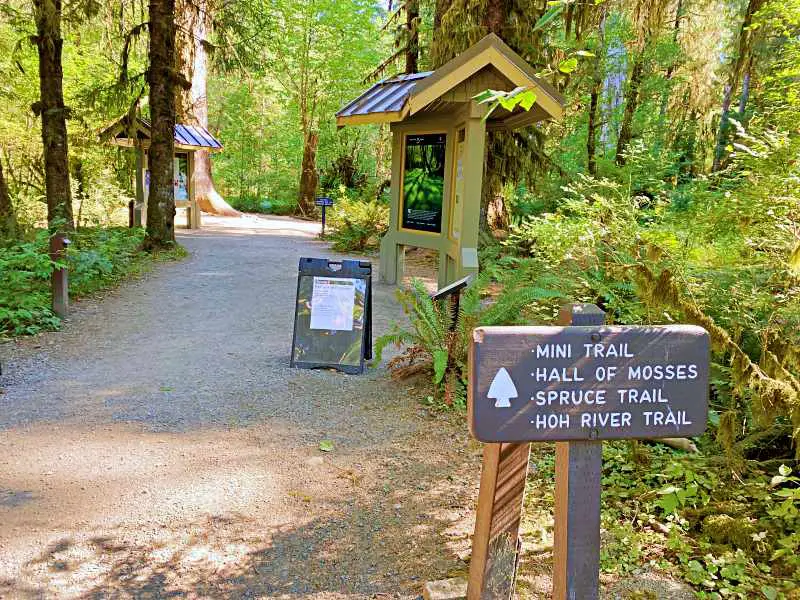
[574,385]
[588,383]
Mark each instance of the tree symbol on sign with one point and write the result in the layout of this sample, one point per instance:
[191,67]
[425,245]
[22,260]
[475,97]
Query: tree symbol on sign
[502,389]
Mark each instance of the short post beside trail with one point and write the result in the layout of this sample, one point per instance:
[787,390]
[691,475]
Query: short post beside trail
[323,202]
[60,277]
[575,384]
[453,293]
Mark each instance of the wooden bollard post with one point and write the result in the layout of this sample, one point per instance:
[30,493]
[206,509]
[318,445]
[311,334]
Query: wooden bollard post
[576,539]
[60,276]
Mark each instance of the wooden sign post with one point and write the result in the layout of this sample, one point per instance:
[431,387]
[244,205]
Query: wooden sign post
[324,203]
[59,280]
[574,385]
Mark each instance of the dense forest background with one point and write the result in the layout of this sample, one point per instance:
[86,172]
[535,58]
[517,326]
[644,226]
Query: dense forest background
[670,192]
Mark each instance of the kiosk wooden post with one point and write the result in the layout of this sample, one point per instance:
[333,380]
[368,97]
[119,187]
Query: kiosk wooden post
[576,538]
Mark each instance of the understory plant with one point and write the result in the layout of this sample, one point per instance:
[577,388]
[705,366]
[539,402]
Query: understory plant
[357,225]
[97,258]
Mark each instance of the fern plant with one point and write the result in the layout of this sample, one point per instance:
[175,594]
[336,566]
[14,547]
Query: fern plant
[432,346]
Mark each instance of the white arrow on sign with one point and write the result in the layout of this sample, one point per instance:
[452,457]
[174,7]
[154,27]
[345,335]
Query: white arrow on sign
[502,389]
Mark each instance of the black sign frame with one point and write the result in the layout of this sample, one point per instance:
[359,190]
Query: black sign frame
[345,269]
[416,219]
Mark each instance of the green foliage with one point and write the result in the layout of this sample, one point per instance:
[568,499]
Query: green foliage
[357,225]
[676,513]
[98,258]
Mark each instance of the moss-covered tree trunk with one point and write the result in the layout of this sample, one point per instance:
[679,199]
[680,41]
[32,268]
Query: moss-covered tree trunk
[53,112]
[8,219]
[631,104]
[438,14]
[309,179]
[161,77]
[412,30]
[744,47]
[195,24]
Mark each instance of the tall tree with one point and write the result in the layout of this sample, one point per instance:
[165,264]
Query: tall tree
[161,76]
[649,19]
[50,106]
[412,33]
[317,49]
[194,30]
[8,220]
[741,58]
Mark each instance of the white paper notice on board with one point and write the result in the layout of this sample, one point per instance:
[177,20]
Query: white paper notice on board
[332,302]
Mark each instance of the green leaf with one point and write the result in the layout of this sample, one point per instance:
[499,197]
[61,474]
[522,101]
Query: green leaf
[326,445]
[569,65]
[485,96]
[585,53]
[770,593]
[439,364]
[549,16]
[528,98]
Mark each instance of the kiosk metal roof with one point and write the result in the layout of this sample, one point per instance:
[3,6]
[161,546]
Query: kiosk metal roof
[187,137]
[490,61]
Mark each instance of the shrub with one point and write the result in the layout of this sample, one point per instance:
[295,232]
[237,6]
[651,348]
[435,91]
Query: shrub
[97,258]
[357,225]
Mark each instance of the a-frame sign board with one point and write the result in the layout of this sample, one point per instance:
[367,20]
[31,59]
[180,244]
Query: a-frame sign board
[333,315]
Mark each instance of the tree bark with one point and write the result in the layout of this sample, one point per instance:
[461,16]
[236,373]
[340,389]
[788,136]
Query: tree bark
[161,77]
[742,55]
[412,30]
[495,16]
[591,134]
[438,14]
[196,23]
[8,219]
[309,177]
[631,104]
[53,112]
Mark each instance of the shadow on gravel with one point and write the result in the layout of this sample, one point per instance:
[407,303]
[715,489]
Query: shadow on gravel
[386,539]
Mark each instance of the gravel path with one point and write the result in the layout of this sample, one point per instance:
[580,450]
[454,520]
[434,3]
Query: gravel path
[160,447]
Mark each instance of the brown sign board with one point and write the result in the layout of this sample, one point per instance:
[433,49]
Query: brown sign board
[588,383]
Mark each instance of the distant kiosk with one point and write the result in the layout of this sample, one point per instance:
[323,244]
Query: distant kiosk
[188,139]
[438,146]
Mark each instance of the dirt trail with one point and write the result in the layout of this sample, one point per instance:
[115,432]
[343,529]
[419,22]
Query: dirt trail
[160,447]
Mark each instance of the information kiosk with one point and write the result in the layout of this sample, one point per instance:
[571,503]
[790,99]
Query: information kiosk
[188,139]
[438,146]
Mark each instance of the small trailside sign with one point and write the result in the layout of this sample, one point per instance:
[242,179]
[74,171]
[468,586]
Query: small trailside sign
[588,383]
[324,201]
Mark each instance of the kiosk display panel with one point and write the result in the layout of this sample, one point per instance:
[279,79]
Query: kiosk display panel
[423,182]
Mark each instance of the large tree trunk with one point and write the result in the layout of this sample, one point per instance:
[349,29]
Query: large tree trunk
[53,112]
[412,29]
[631,104]
[8,220]
[309,177]
[493,214]
[742,56]
[161,77]
[438,15]
[196,24]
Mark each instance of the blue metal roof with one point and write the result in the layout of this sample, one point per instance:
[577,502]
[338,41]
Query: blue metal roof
[186,136]
[388,95]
